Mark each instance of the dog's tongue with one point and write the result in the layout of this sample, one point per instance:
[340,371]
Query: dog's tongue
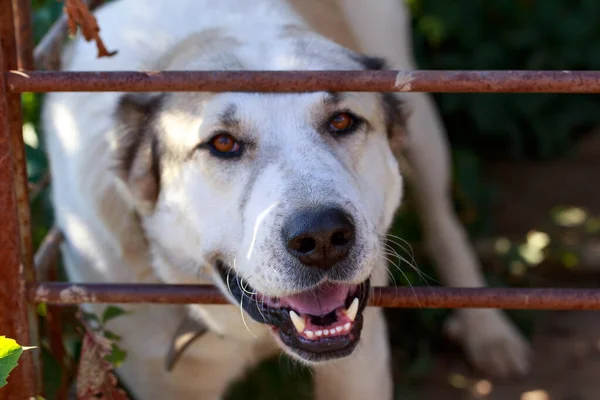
[318,301]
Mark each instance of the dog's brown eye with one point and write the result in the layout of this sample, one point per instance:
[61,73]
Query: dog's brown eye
[341,123]
[225,144]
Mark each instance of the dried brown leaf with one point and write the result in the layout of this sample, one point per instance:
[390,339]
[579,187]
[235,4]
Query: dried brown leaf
[95,379]
[79,15]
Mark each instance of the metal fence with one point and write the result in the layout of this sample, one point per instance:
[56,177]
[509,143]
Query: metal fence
[19,288]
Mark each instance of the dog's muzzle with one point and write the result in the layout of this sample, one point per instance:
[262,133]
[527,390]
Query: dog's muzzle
[319,324]
[325,321]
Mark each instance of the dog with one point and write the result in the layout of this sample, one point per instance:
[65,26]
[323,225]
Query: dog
[281,200]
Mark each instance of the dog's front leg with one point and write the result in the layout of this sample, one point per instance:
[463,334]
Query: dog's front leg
[366,373]
[491,340]
[383,28]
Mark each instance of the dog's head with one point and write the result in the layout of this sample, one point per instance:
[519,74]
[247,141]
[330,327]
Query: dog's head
[285,197]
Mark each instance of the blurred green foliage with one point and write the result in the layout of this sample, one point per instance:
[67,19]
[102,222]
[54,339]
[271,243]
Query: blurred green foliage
[511,34]
[448,34]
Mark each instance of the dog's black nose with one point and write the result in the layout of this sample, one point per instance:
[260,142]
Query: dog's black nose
[319,238]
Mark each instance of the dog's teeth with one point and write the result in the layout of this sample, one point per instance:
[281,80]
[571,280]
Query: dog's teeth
[298,321]
[339,329]
[319,333]
[309,334]
[332,332]
[352,310]
[347,326]
[325,332]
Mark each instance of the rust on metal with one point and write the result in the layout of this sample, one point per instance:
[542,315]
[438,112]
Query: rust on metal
[23,33]
[388,296]
[47,253]
[308,81]
[74,293]
[17,147]
[46,262]
[15,313]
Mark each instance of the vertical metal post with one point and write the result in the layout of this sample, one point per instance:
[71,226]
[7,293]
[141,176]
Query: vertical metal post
[17,317]
[23,33]
[9,48]
[14,319]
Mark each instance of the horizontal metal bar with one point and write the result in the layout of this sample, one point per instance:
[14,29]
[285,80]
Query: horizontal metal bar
[76,293]
[307,81]
[389,296]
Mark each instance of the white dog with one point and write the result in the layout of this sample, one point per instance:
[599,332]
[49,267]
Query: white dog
[282,200]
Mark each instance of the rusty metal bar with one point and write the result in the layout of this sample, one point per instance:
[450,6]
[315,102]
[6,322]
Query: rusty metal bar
[70,293]
[16,318]
[14,321]
[15,124]
[307,81]
[23,33]
[389,296]
[48,252]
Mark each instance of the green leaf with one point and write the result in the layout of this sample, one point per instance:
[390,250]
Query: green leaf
[432,28]
[112,312]
[10,352]
[111,336]
[90,317]
[42,309]
[116,356]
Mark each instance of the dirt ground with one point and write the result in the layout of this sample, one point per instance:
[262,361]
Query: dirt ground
[528,191]
[566,366]
[566,344]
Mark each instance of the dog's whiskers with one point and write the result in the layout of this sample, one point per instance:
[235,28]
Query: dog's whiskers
[244,289]
[394,238]
[402,245]
[412,263]
[392,277]
[240,285]
[393,253]
[405,277]
[244,319]
[246,292]
[389,250]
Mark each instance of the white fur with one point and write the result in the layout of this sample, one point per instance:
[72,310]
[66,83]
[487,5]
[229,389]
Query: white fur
[196,214]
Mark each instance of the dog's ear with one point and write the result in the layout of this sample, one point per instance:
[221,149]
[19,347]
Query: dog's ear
[396,114]
[138,147]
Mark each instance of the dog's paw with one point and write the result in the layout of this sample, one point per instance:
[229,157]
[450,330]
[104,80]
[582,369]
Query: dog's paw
[491,341]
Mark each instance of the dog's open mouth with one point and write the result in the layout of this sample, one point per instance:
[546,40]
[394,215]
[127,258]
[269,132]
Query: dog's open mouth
[322,323]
